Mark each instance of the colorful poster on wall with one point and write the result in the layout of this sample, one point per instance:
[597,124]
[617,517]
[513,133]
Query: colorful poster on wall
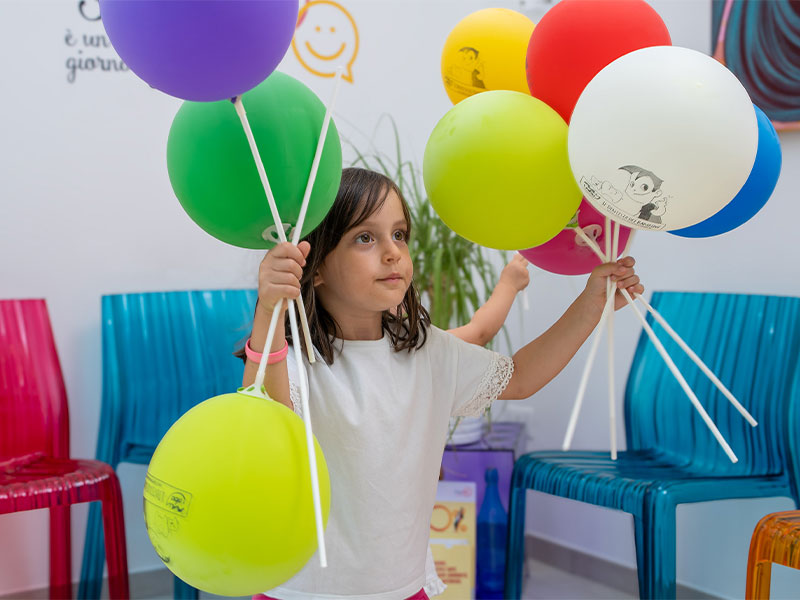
[453,538]
[757,41]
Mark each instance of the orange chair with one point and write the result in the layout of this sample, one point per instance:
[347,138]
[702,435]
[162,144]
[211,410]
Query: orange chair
[776,539]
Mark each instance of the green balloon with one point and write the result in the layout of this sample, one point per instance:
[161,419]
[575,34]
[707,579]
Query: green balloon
[497,171]
[214,175]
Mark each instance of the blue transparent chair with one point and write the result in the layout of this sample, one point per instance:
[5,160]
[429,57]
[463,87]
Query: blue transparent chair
[752,343]
[163,353]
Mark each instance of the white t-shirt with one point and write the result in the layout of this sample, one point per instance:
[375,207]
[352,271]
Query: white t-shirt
[381,418]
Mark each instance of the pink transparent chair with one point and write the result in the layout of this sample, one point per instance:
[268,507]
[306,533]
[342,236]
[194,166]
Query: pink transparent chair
[35,468]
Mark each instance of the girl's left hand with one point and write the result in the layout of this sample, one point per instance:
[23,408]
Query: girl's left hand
[622,275]
[515,273]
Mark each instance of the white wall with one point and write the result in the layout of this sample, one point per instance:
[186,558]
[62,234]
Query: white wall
[87,210]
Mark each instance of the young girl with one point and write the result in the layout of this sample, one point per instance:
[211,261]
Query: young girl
[386,383]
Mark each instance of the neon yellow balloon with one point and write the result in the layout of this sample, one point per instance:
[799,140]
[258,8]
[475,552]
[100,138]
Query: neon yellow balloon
[486,51]
[497,171]
[227,499]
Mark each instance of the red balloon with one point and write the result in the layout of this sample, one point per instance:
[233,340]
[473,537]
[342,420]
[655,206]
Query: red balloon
[577,38]
[565,256]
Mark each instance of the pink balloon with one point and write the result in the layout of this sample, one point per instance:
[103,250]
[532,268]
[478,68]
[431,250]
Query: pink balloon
[565,254]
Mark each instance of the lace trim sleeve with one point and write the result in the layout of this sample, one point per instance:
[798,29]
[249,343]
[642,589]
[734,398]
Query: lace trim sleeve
[494,381]
[294,394]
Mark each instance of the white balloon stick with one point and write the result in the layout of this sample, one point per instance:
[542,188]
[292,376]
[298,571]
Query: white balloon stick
[612,409]
[628,243]
[312,455]
[262,365]
[587,369]
[698,361]
[685,386]
[312,177]
[670,364]
[612,394]
[691,353]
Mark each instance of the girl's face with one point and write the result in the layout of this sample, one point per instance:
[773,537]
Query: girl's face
[370,269]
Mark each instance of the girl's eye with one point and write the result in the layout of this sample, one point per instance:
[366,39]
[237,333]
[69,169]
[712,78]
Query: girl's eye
[400,235]
[364,238]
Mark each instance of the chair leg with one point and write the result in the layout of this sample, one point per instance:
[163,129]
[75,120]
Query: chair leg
[759,577]
[656,549]
[183,591]
[60,553]
[639,542]
[515,545]
[93,556]
[114,533]
[759,558]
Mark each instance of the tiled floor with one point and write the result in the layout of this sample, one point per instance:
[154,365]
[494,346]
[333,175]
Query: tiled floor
[544,582]
[548,582]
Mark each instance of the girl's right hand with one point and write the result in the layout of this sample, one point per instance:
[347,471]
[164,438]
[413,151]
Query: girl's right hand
[279,274]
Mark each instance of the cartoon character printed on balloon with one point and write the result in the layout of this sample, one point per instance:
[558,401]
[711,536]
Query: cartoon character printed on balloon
[326,37]
[160,524]
[466,75]
[641,200]
[177,502]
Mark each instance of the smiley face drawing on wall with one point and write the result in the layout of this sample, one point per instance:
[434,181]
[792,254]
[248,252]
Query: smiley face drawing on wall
[642,197]
[326,37]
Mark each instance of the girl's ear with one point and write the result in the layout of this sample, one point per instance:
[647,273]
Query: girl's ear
[317,279]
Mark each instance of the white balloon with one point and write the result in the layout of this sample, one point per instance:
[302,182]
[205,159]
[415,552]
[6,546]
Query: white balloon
[662,138]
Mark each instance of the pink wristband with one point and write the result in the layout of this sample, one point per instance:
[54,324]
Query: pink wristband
[274,357]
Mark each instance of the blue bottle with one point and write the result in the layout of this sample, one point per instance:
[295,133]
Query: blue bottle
[492,532]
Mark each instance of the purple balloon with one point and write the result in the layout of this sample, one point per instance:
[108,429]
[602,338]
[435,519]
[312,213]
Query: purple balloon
[202,50]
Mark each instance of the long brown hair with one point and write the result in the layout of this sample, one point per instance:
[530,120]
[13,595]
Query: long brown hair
[361,193]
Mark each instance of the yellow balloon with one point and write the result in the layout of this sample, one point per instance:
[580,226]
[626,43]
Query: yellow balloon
[497,171]
[227,498]
[486,51]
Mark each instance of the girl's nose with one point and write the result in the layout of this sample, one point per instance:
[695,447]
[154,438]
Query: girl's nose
[391,253]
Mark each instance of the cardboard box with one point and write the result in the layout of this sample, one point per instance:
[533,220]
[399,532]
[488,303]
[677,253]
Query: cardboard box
[453,529]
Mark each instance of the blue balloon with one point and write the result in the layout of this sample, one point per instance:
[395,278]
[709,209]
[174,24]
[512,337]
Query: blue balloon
[754,193]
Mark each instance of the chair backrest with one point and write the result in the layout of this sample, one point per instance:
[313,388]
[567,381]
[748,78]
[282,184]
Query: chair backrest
[33,400]
[752,343]
[163,353]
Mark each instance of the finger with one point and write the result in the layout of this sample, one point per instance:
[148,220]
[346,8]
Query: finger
[636,289]
[286,265]
[628,282]
[288,291]
[281,250]
[289,250]
[621,273]
[628,261]
[294,253]
[284,278]
[304,248]
[606,269]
